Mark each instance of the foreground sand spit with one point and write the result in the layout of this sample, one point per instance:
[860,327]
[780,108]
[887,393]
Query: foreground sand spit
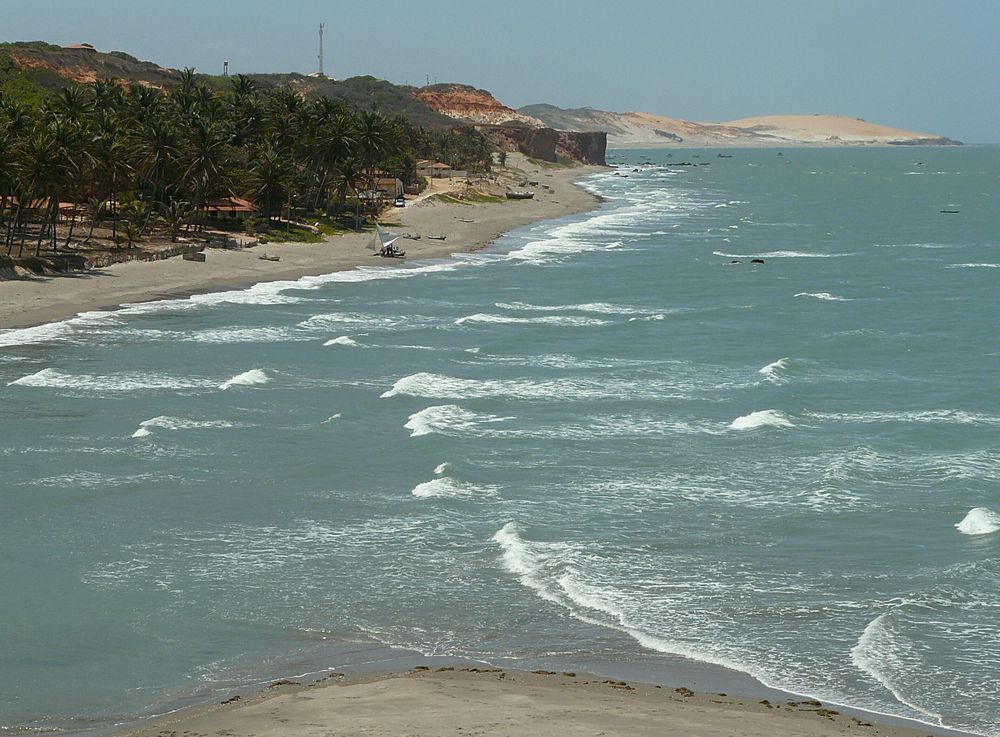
[497,703]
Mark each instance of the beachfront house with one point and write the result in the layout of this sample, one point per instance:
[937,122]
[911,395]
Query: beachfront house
[389,187]
[230,208]
[434,169]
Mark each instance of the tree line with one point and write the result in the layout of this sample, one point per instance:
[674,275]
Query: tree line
[138,156]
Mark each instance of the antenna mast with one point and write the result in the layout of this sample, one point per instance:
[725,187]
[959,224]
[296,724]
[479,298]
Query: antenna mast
[321,49]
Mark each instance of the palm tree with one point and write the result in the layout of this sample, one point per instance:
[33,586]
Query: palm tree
[155,151]
[270,177]
[205,157]
[42,169]
[350,177]
[372,137]
[108,156]
[174,215]
[134,213]
[97,206]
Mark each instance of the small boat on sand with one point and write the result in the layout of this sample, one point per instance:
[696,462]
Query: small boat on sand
[266,257]
[436,237]
[384,243]
[520,195]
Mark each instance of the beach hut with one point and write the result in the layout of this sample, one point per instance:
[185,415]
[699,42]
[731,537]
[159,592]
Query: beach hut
[230,208]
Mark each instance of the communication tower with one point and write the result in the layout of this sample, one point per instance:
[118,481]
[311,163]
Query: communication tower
[321,49]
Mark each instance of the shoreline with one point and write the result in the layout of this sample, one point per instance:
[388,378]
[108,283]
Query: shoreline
[26,303]
[462,695]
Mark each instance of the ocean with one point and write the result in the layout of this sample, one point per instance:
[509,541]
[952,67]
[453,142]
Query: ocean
[607,438]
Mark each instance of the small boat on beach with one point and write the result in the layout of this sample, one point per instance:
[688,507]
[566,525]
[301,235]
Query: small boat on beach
[265,257]
[436,237]
[384,243]
[520,195]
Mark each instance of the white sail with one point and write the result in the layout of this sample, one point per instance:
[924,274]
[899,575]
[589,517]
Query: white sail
[385,238]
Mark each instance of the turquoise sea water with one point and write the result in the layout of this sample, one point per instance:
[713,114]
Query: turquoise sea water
[599,439]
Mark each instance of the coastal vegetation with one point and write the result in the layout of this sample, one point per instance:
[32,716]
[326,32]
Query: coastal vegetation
[125,159]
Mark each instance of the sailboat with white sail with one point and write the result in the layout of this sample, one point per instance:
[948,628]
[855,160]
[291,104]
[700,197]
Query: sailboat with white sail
[385,243]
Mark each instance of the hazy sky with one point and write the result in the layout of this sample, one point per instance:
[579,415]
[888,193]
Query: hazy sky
[925,65]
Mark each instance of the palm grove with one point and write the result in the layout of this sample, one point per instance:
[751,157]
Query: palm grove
[137,158]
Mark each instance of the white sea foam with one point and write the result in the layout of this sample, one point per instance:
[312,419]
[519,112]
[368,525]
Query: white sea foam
[335,320]
[824,296]
[53,378]
[527,560]
[940,416]
[177,423]
[602,308]
[882,654]
[561,320]
[243,335]
[773,369]
[547,569]
[344,340]
[979,521]
[762,418]
[39,334]
[781,254]
[448,419]
[253,377]
[975,266]
[439,386]
[914,245]
[441,468]
[448,487]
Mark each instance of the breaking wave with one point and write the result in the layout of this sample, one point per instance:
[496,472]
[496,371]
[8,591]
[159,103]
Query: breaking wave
[443,486]
[939,416]
[440,386]
[763,418]
[979,521]
[448,419]
[601,308]
[344,340]
[53,378]
[773,369]
[824,296]
[780,254]
[177,423]
[564,321]
[253,377]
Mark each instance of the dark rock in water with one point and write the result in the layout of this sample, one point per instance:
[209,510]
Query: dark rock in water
[283,682]
[736,261]
[232,699]
[756,260]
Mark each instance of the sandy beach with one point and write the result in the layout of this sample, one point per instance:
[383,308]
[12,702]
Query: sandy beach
[466,227]
[499,702]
